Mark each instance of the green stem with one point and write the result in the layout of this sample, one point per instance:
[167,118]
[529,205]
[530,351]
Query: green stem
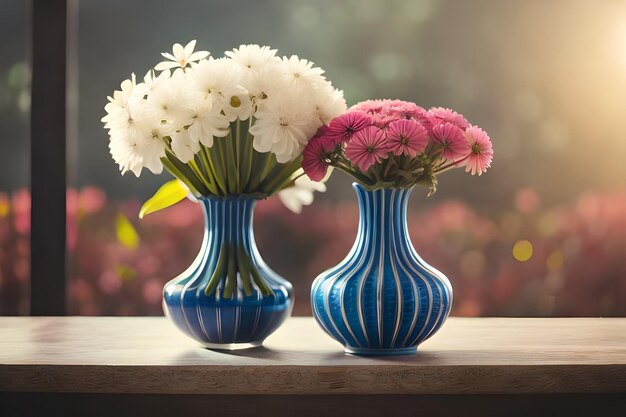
[449,166]
[183,173]
[359,176]
[230,164]
[196,169]
[217,176]
[260,282]
[205,164]
[219,272]
[231,278]
[216,156]
[244,270]
[280,175]
[246,152]
[262,164]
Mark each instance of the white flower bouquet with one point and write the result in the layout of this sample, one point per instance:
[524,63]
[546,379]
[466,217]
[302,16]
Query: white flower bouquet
[227,126]
[229,130]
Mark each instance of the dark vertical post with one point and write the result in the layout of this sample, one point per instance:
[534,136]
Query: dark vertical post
[48,178]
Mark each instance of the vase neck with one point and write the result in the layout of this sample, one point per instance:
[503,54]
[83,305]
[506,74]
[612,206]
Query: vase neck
[383,214]
[228,220]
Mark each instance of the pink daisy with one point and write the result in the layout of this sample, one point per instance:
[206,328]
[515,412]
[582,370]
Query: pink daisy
[406,137]
[382,120]
[315,155]
[450,137]
[344,126]
[481,150]
[443,115]
[367,147]
[370,106]
[412,111]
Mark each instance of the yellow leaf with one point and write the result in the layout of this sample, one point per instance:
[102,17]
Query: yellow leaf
[169,194]
[126,233]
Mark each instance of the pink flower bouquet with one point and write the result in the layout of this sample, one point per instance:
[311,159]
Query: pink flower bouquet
[394,143]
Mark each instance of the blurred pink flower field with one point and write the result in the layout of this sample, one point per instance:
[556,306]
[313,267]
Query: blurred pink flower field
[529,260]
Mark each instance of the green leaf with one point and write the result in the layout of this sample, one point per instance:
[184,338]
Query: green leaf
[169,194]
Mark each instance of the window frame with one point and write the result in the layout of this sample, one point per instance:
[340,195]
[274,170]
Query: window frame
[48,145]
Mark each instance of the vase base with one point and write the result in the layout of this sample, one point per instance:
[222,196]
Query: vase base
[411,350]
[231,346]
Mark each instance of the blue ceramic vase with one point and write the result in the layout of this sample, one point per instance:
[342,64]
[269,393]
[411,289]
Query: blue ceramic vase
[382,299]
[227,319]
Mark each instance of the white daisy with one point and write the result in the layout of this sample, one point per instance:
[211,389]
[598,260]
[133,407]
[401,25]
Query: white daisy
[302,71]
[152,81]
[214,78]
[124,152]
[150,144]
[237,104]
[284,125]
[181,56]
[169,102]
[329,102]
[208,121]
[268,82]
[253,58]
[117,107]
[184,147]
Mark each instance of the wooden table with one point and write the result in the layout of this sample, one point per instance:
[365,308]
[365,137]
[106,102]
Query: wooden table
[144,366]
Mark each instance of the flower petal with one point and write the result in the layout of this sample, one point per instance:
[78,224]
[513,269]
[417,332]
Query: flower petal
[179,51]
[169,56]
[197,56]
[189,48]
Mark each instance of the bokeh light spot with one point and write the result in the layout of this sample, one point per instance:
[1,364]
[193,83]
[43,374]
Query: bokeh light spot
[554,262]
[4,207]
[522,250]
[473,263]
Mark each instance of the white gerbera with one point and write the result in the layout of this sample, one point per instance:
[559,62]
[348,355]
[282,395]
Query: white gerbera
[118,112]
[283,126]
[253,58]
[169,103]
[269,82]
[301,192]
[152,81]
[124,152]
[150,143]
[208,121]
[181,56]
[139,145]
[215,78]
[329,102]
[302,71]
[237,104]
[183,145]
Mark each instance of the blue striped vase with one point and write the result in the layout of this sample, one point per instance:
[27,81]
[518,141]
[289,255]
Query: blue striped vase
[213,320]
[382,299]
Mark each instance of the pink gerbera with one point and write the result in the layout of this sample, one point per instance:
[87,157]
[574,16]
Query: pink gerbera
[443,115]
[367,147]
[344,126]
[452,141]
[370,106]
[406,110]
[406,137]
[481,150]
[315,155]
